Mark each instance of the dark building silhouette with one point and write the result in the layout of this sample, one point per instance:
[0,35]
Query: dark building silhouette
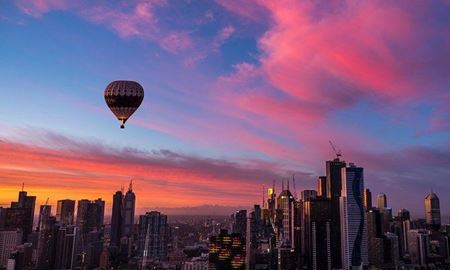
[153,235]
[334,187]
[65,211]
[65,247]
[226,252]
[317,232]
[90,215]
[240,222]
[116,219]
[129,205]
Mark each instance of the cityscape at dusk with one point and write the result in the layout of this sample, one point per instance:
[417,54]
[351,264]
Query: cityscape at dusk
[237,132]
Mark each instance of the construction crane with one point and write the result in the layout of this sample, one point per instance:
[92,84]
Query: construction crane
[337,152]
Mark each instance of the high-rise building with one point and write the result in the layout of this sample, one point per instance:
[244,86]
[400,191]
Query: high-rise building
[65,211]
[18,218]
[153,236]
[322,186]
[240,222]
[418,246]
[308,194]
[9,240]
[285,206]
[46,236]
[271,202]
[21,214]
[334,187]
[317,233]
[116,219]
[226,252]
[353,226]
[65,247]
[403,224]
[367,199]
[386,214]
[129,205]
[381,201]
[90,215]
[432,210]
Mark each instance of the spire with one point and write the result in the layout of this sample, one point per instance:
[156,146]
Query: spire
[130,187]
[282,184]
[287,181]
[273,185]
[23,186]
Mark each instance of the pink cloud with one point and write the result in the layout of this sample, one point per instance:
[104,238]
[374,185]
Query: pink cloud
[176,42]
[37,8]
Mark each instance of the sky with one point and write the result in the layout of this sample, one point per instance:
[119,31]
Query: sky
[237,94]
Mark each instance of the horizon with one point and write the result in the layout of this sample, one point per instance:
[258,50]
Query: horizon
[235,97]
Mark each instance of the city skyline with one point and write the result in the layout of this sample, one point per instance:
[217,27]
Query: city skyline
[236,96]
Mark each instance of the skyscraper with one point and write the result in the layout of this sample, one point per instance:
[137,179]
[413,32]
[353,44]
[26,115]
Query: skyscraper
[317,233]
[322,186]
[418,246]
[353,226]
[240,222]
[381,201]
[116,219]
[21,214]
[65,211]
[129,204]
[153,236]
[334,187]
[432,210]
[285,205]
[308,194]
[367,199]
[90,215]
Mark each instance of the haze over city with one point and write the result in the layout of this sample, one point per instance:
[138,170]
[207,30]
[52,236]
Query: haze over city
[237,94]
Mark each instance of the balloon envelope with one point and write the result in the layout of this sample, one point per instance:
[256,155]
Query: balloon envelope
[123,98]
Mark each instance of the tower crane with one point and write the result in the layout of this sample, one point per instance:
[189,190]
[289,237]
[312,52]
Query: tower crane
[337,152]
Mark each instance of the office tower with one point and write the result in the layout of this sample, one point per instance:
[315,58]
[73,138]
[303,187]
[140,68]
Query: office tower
[226,251]
[240,223]
[153,236]
[383,249]
[21,214]
[308,194]
[381,201]
[44,215]
[285,206]
[65,247]
[403,223]
[94,248]
[9,240]
[129,204]
[353,226]
[90,215]
[403,214]
[334,187]
[317,233]
[321,186]
[392,251]
[367,199]
[386,214]
[65,210]
[116,219]
[418,246]
[271,202]
[46,236]
[432,210]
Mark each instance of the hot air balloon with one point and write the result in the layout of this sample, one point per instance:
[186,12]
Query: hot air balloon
[123,98]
